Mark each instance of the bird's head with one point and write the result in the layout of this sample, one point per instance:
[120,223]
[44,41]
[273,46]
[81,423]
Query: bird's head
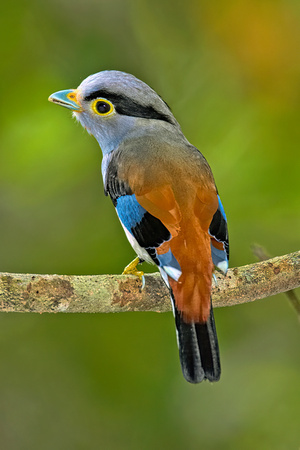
[112,105]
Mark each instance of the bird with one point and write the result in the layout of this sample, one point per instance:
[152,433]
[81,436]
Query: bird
[167,201]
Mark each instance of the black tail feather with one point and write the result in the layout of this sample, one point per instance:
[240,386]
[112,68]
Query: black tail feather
[198,349]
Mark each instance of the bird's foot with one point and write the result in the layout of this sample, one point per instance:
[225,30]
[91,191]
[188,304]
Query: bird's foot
[131,269]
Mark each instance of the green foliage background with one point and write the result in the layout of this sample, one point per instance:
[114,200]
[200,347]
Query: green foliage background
[230,71]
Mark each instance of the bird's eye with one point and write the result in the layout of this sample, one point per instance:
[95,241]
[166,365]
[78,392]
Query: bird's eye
[102,107]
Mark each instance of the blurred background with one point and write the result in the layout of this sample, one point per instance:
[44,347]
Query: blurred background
[230,72]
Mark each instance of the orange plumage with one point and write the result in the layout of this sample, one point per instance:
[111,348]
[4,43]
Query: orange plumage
[179,190]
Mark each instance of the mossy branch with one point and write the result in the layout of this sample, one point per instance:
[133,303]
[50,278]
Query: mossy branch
[116,293]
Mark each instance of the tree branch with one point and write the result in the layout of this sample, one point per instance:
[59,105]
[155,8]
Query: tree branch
[262,255]
[116,293]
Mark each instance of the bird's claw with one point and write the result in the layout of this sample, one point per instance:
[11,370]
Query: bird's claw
[215,279]
[131,269]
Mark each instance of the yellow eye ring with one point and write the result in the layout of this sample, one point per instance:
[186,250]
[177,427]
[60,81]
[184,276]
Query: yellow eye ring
[102,107]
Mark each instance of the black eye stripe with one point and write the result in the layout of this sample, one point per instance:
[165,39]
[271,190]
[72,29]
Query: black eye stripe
[126,106]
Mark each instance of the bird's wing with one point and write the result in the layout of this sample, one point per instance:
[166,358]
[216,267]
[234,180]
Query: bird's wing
[150,217]
[219,238]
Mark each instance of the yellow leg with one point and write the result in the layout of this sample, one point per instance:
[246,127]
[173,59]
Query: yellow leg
[132,270]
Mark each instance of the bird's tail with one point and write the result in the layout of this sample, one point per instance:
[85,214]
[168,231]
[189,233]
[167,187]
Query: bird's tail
[198,348]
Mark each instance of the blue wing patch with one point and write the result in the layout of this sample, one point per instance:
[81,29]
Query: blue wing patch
[218,230]
[129,211]
[169,263]
[148,231]
[221,207]
[219,258]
